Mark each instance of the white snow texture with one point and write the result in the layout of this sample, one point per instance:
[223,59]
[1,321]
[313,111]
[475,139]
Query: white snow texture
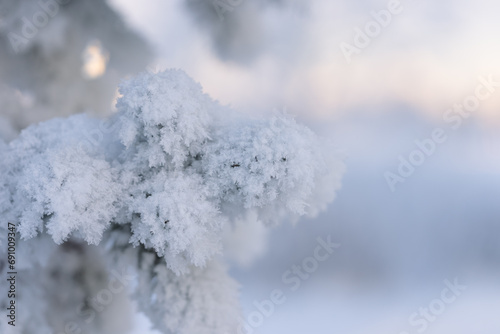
[159,182]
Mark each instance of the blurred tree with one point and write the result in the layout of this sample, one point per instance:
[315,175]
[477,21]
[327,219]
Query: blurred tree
[63,57]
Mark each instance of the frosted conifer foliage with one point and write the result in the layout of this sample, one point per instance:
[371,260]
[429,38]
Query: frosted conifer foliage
[161,187]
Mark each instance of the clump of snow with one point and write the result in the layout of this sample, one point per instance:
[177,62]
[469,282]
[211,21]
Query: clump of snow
[162,188]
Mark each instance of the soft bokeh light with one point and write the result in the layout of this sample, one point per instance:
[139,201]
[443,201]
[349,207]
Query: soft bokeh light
[94,60]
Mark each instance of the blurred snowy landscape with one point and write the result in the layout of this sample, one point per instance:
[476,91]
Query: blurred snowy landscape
[398,247]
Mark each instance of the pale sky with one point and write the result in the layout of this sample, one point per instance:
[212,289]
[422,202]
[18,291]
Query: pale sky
[428,57]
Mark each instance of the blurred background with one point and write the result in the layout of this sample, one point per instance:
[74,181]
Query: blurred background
[399,244]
